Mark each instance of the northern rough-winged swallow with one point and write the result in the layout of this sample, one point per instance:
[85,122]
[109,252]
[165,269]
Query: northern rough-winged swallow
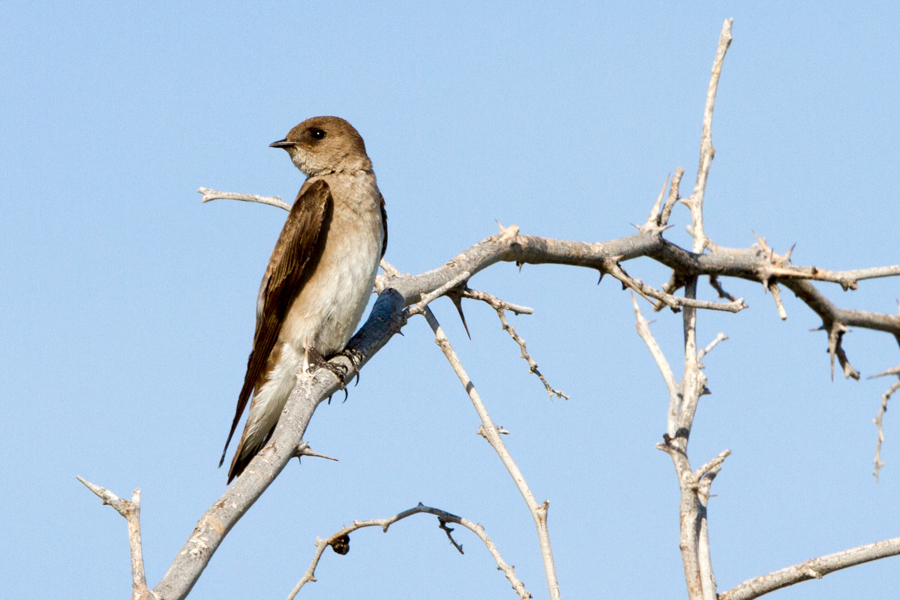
[320,275]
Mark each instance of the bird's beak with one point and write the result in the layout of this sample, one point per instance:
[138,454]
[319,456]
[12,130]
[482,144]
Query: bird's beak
[281,144]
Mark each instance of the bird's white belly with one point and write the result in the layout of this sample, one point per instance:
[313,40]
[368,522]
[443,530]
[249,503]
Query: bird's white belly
[324,314]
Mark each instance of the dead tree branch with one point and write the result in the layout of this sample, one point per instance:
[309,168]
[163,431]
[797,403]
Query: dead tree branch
[879,418]
[812,569]
[397,290]
[340,541]
[501,306]
[131,510]
[491,433]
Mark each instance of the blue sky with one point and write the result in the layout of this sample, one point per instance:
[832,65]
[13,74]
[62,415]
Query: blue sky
[127,307]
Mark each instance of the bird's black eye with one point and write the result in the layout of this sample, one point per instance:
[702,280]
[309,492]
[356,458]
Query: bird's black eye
[317,134]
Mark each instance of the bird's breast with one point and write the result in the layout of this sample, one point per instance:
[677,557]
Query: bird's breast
[328,308]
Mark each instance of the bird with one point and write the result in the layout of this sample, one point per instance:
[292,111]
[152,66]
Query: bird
[319,277]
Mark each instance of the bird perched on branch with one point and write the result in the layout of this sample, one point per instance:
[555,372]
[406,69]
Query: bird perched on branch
[319,277]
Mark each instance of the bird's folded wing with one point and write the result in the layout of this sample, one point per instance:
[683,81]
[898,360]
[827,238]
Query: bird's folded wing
[295,255]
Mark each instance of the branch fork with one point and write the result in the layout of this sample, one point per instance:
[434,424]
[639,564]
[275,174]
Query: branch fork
[131,511]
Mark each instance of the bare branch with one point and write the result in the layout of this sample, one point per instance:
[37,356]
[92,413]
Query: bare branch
[653,219]
[719,338]
[496,303]
[692,513]
[740,263]
[209,194]
[672,199]
[669,300]
[707,151]
[131,510]
[879,418]
[695,551]
[385,320]
[501,306]
[776,296]
[340,541]
[492,435]
[643,329]
[812,569]
[847,279]
[705,476]
[712,467]
[714,282]
[836,333]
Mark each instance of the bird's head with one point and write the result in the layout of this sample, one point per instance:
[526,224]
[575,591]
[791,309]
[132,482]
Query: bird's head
[324,145]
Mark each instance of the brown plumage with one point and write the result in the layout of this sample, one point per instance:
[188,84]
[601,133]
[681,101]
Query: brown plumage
[319,276]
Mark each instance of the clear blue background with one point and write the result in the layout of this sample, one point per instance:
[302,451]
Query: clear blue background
[127,306]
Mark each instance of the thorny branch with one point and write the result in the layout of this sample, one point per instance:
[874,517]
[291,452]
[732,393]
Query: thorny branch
[695,551]
[684,396]
[501,307]
[492,434]
[340,542]
[879,418]
[398,291]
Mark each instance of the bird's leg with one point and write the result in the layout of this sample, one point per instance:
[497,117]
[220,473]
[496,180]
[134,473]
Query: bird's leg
[320,362]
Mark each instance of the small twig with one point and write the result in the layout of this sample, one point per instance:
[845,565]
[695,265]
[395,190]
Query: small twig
[492,434]
[209,195]
[714,282]
[341,540]
[501,306]
[643,329]
[707,151]
[879,418]
[449,532]
[673,302]
[673,197]
[704,477]
[653,219]
[496,303]
[719,338]
[712,467]
[131,510]
[676,282]
[847,279]
[305,450]
[776,296]
[836,331]
[780,266]
[389,268]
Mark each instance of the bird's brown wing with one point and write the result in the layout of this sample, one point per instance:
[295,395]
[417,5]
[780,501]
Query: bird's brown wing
[296,252]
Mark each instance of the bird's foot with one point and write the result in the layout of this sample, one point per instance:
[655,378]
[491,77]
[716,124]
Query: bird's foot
[320,362]
[355,357]
[340,371]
